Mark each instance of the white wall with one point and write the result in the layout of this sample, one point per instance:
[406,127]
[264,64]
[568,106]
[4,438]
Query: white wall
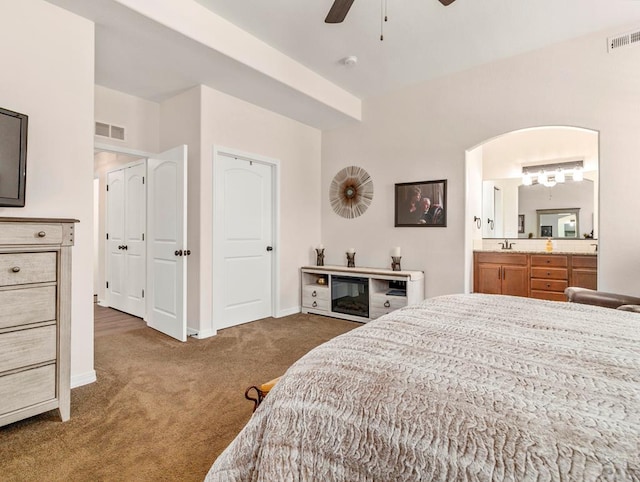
[48,63]
[181,124]
[422,132]
[232,123]
[139,117]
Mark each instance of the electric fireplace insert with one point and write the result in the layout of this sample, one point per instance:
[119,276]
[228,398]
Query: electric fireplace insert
[350,295]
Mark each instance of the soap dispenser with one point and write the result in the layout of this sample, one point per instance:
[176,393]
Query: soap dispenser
[549,246]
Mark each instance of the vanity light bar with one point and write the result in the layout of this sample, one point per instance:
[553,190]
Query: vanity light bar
[550,174]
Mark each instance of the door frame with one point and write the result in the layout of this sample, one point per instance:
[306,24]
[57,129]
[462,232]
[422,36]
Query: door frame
[219,151]
[99,147]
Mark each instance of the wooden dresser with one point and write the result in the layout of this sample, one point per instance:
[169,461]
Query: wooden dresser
[35,316]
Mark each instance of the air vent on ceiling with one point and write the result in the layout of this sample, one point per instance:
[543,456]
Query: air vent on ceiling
[111,131]
[624,40]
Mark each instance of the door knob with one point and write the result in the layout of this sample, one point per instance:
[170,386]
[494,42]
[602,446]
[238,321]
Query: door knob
[120,247]
[187,252]
[178,252]
[125,247]
[269,248]
[16,269]
[42,234]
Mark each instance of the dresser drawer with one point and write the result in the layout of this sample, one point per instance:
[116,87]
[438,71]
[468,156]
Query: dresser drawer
[28,305]
[30,233]
[315,303]
[23,348]
[385,302]
[19,390]
[24,268]
[549,285]
[555,261]
[550,273]
[316,292]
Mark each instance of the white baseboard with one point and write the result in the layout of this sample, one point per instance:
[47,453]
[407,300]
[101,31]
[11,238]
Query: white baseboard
[200,335]
[83,379]
[289,311]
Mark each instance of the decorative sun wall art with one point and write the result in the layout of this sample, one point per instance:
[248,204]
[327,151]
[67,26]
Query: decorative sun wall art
[351,192]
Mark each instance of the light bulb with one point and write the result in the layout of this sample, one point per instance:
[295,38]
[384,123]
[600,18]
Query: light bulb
[559,176]
[526,179]
[578,175]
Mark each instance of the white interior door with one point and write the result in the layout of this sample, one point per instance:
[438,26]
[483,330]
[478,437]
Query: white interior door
[126,225]
[167,242]
[134,244]
[116,291]
[243,241]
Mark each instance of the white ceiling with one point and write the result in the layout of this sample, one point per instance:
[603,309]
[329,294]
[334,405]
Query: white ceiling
[422,40]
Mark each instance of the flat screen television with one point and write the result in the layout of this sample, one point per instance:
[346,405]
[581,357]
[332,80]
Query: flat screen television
[13,158]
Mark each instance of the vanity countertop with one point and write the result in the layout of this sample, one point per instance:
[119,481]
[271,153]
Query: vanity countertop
[534,251]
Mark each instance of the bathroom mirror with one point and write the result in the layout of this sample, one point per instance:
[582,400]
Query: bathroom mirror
[558,207]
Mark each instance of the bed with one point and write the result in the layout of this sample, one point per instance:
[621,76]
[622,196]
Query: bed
[460,387]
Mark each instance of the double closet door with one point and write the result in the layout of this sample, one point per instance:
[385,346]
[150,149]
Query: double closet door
[126,247]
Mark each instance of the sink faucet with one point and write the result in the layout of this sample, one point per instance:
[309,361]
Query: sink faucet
[506,244]
[596,250]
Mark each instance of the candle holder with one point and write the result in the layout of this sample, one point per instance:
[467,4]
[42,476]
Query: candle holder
[395,263]
[351,260]
[319,257]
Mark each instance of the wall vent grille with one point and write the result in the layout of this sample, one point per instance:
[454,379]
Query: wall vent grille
[624,40]
[110,131]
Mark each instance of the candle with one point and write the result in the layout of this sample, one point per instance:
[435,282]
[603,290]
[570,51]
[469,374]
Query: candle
[351,250]
[395,251]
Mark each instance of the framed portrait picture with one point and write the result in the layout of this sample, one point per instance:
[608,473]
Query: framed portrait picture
[546,231]
[520,223]
[421,204]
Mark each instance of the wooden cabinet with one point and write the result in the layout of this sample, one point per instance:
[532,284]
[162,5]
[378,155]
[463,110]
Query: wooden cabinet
[536,275]
[378,291]
[35,317]
[501,273]
[584,272]
[549,276]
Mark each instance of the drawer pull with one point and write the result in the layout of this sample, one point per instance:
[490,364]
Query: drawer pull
[387,304]
[42,234]
[315,304]
[548,261]
[548,274]
[16,269]
[314,294]
[548,285]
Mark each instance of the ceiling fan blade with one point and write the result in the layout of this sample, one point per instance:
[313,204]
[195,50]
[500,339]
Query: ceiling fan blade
[447,2]
[339,11]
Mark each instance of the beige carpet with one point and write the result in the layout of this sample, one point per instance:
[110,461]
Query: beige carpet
[161,409]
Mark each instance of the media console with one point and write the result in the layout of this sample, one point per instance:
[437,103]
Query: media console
[358,294]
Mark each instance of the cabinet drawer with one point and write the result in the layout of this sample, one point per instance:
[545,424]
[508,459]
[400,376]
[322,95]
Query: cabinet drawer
[549,273]
[29,305]
[385,302]
[584,262]
[26,388]
[549,285]
[316,292]
[23,268]
[30,233]
[548,295]
[315,303]
[501,258]
[555,261]
[23,348]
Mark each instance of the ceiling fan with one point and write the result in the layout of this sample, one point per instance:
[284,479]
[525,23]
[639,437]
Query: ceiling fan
[340,8]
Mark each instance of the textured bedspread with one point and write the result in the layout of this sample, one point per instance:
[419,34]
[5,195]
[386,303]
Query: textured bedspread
[464,387]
